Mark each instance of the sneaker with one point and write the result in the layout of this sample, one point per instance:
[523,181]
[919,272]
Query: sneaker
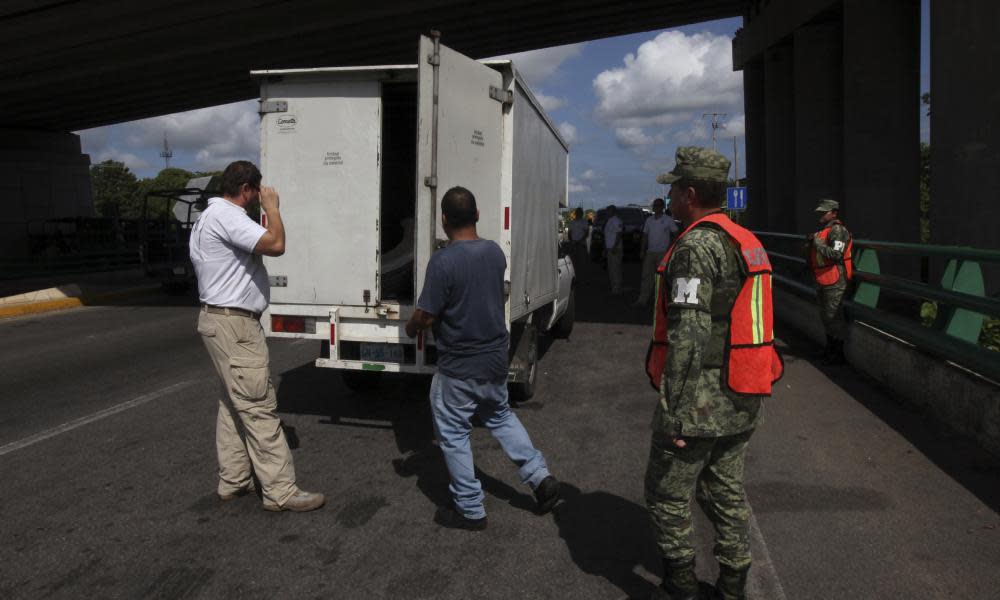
[547,494]
[301,501]
[250,488]
[447,516]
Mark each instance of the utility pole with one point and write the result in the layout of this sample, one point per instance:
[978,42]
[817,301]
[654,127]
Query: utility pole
[736,163]
[715,126]
[167,153]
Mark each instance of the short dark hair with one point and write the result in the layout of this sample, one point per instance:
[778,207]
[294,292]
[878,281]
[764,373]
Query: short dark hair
[658,201]
[238,173]
[711,194]
[459,206]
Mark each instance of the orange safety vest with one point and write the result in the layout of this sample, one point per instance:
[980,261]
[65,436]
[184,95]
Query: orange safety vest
[751,364]
[826,273]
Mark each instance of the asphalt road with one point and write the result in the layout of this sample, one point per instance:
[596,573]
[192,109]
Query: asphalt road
[107,458]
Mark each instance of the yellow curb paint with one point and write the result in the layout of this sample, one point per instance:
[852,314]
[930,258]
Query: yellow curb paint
[65,303]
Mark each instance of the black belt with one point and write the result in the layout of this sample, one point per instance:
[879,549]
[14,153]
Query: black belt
[225,310]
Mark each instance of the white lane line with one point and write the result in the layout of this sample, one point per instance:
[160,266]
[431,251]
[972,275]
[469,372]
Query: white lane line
[763,582]
[107,412]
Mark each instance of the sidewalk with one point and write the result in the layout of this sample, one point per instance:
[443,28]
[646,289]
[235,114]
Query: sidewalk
[60,291]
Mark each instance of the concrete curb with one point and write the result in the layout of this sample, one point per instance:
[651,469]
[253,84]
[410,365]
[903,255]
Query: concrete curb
[28,308]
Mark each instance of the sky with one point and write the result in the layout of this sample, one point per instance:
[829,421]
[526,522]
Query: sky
[624,105]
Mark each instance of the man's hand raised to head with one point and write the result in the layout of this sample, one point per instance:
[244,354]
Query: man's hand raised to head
[269,200]
[272,243]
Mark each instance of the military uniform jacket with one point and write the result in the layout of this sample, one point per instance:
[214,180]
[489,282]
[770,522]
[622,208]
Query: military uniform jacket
[707,273]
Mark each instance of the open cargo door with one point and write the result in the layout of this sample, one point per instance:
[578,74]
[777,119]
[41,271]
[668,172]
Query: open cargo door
[320,151]
[460,140]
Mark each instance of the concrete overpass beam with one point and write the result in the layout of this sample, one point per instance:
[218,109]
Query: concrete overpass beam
[779,138]
[43,175]
[756,152]
[965,117]
[818,119]
[881,118]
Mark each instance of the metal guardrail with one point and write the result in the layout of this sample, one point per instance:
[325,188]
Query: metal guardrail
[962,303]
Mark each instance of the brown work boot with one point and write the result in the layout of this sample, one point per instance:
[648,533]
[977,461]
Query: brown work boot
[301,501]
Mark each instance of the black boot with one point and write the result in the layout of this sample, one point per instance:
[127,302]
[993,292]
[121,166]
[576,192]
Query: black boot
[679,581]
[828,349]
[732,583]
[836,355]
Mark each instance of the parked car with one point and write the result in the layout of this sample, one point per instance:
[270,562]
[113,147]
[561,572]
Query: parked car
[632,218]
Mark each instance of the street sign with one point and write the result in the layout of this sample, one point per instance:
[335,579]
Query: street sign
[736,198]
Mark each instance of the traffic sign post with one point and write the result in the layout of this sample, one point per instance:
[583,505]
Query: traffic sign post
[736,198]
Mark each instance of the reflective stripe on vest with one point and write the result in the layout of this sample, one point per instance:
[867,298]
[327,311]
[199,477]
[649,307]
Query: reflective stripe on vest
[751,363]
[827,273]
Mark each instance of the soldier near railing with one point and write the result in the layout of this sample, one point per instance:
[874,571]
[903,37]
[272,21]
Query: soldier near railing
[832,267]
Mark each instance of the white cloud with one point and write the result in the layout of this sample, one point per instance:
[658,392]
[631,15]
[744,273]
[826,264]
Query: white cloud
[133,162]
[668,80]
[588,175]
[576,187]
[632,137]
[216,136]
[538,65]
[568,132]
[550,103]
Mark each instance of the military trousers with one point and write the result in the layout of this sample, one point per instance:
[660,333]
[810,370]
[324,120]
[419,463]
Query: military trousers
[830,299]
[248,433]
[715,467]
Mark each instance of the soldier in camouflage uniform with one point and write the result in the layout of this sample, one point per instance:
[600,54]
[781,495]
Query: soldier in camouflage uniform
[701,429]
[830,246]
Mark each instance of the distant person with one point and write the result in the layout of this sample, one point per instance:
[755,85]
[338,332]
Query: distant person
[463,302]
[657,232]
[613,230]
[226,248]
[832,267]
[579,229]
[712,360]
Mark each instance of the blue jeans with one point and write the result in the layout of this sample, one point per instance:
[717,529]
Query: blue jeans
[453,402]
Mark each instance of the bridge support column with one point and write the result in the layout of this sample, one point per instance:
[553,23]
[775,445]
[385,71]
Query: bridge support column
[965,123]
[779,138]
[881,142]
[42,175]
[756,153]
[819,118]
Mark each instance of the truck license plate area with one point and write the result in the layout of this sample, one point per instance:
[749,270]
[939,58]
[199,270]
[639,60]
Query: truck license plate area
[381,352]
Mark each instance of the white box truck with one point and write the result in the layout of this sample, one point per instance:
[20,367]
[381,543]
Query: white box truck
[361,157]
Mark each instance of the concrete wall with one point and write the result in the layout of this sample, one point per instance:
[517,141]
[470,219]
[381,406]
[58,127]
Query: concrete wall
[779,138]
[965,114]
[967,403]
[756,152]
[43,175]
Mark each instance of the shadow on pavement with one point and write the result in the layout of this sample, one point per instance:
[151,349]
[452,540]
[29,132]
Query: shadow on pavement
[965,462]
[595,304]
[608,536]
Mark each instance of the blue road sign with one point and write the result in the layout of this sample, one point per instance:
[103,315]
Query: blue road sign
[736,198]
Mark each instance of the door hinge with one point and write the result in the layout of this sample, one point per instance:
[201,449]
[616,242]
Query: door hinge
[501,96]
[278,280]
[272,106]
[431,181]
[434,59]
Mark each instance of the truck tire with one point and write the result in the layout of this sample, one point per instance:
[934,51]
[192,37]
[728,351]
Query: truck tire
[522,391]
[361,381]
[564,326]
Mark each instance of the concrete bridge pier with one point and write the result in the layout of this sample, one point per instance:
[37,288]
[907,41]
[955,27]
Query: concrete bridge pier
[43,175]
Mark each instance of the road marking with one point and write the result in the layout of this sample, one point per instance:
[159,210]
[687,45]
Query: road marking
[763,581]
[107,412]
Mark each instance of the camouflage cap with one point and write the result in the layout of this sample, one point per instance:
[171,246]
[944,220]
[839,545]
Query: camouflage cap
[826,205]
[697,163]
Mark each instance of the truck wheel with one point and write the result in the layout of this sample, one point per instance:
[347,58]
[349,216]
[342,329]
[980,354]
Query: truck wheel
[564,326]
[522,391]
[361,381]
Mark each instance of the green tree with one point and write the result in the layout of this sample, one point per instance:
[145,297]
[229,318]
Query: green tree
[115,189]
[168,179]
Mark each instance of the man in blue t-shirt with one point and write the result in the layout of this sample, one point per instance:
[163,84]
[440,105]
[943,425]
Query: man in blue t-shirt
[463,302]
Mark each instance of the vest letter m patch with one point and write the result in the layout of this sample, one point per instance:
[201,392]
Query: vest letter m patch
[686,290]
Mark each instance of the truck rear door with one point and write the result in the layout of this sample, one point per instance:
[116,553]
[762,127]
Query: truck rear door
[320,150]
[460,141]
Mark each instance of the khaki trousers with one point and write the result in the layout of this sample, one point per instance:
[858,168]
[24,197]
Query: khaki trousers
[615,269]
[649,264]
[248,432]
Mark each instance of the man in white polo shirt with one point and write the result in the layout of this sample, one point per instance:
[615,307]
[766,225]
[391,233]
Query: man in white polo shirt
[226,248]
[656,234]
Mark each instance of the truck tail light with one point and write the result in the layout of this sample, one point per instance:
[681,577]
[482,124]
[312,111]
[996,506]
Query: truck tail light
[333,335]
[420,341]
[506,218]
[285,324]
[263,220]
